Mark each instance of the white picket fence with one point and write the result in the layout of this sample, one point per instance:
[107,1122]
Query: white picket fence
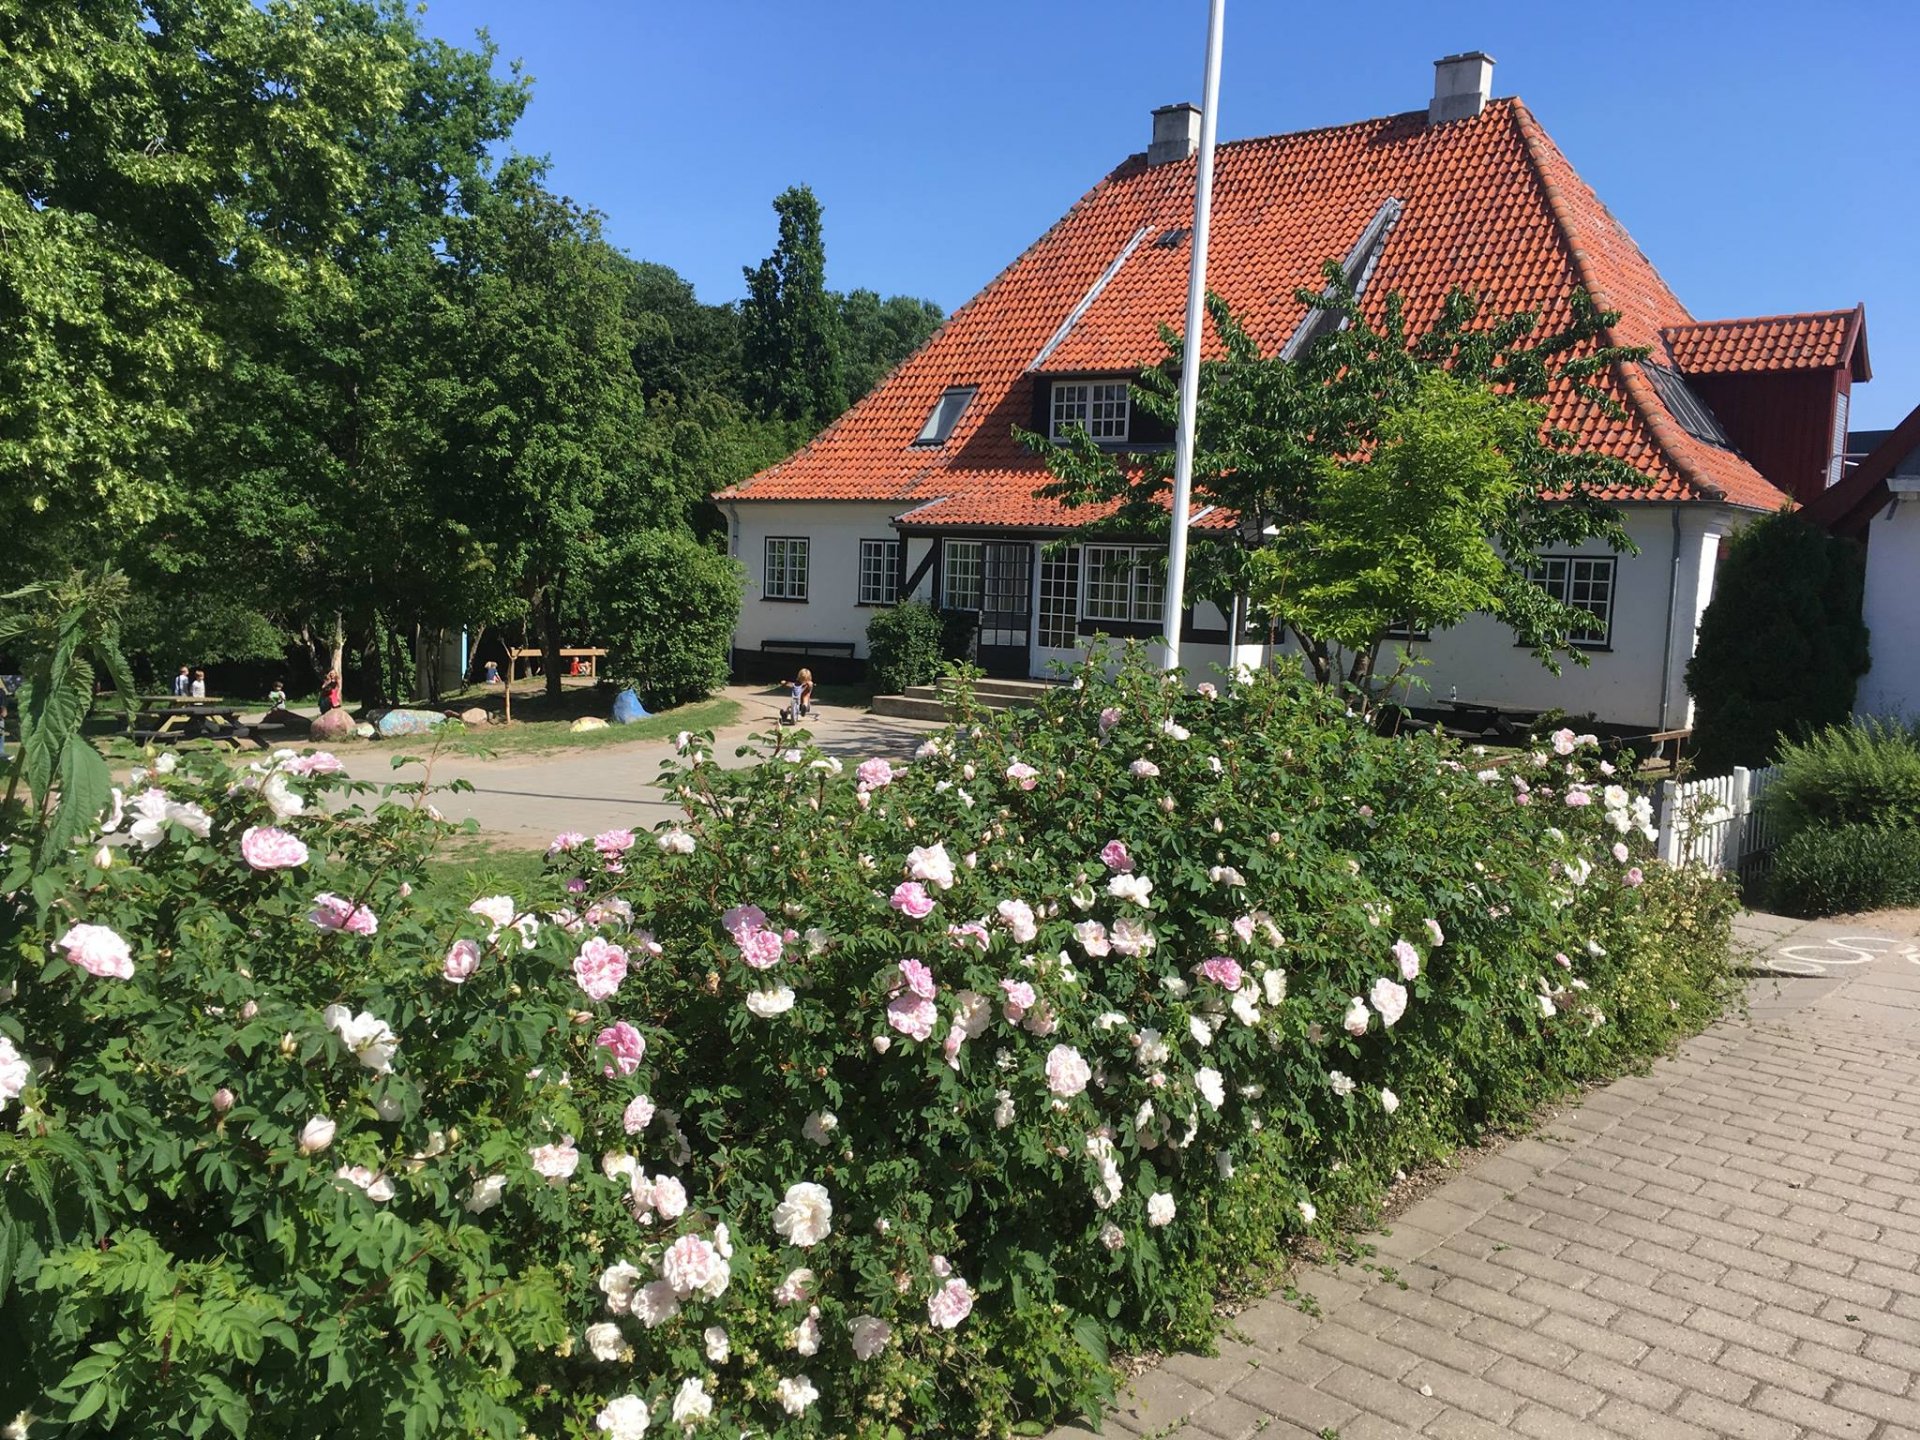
[1717,822]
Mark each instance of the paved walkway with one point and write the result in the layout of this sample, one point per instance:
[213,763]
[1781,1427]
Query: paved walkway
[527,799]
[1728,1246]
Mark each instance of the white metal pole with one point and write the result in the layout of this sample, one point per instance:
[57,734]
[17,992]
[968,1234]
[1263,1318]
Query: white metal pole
[1190,356]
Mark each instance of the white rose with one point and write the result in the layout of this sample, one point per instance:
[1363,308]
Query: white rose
[624,1418]
[605,1341]
[486,1193]
[768,1003]
[715,1342]
[819,1127]
[691,1403]
[1160,1209]
[316,1135]
[795,1393]
[870,1335]
[805,1216]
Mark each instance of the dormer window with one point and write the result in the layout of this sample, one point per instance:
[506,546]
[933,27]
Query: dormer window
[947,411]
[1099,407]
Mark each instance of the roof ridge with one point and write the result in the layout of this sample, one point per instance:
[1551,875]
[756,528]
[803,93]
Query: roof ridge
[1848,312]
[1634,386]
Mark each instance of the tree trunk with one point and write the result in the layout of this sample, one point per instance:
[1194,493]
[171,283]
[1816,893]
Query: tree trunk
[337,654]
[550,641]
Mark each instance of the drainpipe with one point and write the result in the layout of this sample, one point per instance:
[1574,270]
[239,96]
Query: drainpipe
[1673,598]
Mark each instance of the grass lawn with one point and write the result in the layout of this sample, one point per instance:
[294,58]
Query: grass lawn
[541,725]
[473,867]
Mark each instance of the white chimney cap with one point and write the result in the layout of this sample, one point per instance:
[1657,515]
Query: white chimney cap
[1461,86]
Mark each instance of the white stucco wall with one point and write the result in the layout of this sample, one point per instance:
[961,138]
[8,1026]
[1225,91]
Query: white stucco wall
[1626,683]
[1892,607]
[834,530]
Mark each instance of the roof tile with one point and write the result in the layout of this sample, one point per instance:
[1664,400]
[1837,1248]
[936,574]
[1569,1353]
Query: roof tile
[1489,204]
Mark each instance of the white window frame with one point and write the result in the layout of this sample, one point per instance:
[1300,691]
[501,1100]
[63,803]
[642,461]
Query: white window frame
[976,567]
[1137,596]
[1572,580]
[879,582]
[785,577]
[1102,408]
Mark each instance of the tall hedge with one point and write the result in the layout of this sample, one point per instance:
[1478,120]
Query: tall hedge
[667,609]
[1781,647]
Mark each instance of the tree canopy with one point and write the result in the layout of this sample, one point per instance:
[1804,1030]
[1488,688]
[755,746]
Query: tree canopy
[290,333]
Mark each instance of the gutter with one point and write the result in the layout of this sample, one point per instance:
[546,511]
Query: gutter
[1673,598]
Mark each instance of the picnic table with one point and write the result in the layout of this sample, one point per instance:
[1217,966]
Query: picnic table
[167,720]
[1503,720]
[591,654]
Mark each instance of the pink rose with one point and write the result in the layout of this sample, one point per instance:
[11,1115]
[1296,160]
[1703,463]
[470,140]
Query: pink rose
[624,1045]
[1023,775]
[1067,1071]
[330,912]
[556,1162]
[1408,957]
[566,842]
[910,898]
[599,968]
[612,844]
[266,848]
[762,949]
[1578,797]
[638,1115]
[1020,998]
[950,1304]
[1018,917]
[873,774]
[1115,857]
[918,978]
[1109,717]
[1634,877]
[319,762]
[98,951]
[971,933]
[743,920]
[1223,971]
[1092,938]
[463,958]
[1143,769]
[912,1015]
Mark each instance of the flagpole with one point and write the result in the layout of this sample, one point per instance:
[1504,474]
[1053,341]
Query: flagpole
[1190,354]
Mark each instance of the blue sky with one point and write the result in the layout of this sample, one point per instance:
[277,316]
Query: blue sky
[1762,153]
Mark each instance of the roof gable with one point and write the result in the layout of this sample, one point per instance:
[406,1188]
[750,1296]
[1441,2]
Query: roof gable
[1827,340]
[1487,204]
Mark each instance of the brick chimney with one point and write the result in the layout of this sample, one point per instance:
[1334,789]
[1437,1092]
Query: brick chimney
[1461,85]
[1176,133]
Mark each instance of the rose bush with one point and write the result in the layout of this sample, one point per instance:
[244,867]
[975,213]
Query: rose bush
[857,1106]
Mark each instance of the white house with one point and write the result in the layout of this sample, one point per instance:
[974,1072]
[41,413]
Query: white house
[1879,502]
[921,490]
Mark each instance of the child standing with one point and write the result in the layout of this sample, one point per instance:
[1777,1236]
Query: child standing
[800,688]
[199,685]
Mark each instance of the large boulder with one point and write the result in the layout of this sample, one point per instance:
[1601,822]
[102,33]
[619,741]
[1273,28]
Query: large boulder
[475,716]
[410,722]
[334,725]
[587,722]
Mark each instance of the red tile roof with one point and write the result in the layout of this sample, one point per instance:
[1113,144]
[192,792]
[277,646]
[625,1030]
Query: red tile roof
[1488,203]
[1828,340]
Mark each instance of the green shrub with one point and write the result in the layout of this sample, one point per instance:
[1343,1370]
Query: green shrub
[1863,773]
[1845,869]
[1782,645]
[904,647]
[1092,1006]
[667,610]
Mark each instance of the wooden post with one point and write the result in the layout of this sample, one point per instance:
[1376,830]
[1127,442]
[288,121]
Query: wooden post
[510,663]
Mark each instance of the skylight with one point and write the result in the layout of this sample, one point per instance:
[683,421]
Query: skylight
[947,411]
[1694,417]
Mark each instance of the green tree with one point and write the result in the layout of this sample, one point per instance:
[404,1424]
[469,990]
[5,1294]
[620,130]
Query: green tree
[879,334]
[545,442]
[789,325]
[1782,645]
[151,157]
[1279,438]
[666,608]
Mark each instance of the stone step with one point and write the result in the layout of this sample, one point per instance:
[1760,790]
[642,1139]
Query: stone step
[909,707]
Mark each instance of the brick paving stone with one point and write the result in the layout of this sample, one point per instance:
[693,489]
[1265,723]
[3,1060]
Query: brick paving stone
[1725,1248]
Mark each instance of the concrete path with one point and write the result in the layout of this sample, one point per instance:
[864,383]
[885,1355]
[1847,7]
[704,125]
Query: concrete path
[527,799]
[1728,1246]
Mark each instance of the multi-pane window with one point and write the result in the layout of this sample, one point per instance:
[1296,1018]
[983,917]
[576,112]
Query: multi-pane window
[1096,406]
[1059,600]
[1123,582]
[879,572]
[786,568]
[960,588]
[1585,583]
